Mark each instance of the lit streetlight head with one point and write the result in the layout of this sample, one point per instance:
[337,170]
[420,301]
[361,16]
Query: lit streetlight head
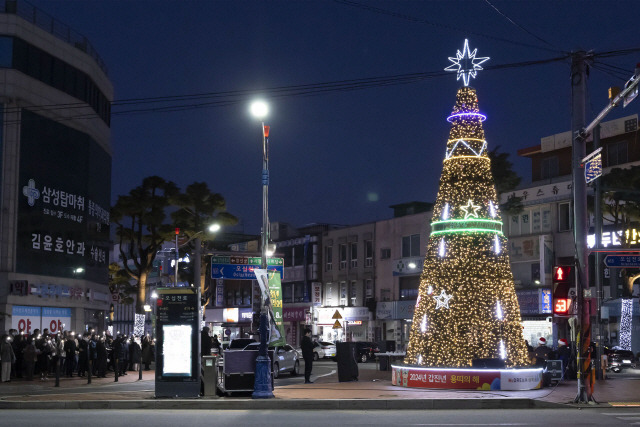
[259,109]
[214,227]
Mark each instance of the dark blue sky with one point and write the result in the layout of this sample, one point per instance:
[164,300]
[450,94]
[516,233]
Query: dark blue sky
[342,156]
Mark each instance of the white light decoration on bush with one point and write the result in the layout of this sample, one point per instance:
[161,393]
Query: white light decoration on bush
[138,325]
[419,359]
[499,310]
[429,292]
[503,351]
[625,324]
[496,245]
[423,325]
[441,250]
[445,211]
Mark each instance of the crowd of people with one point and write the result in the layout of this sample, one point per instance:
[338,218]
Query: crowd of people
[41,353]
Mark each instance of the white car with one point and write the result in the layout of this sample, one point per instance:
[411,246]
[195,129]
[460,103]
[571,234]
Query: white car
[323,349]
[286,359]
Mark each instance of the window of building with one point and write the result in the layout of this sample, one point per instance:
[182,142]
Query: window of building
[343,293]
[368,253]
[565,220]
[353,293]
[342,249]
[328,256]
[385,253]
[549,167]
[368,288]
[617,153]
[328,295]
[354,255]
[411,246]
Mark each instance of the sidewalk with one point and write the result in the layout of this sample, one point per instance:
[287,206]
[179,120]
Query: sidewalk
[372,391]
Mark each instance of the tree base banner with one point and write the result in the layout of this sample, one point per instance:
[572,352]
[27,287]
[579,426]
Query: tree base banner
[467,379]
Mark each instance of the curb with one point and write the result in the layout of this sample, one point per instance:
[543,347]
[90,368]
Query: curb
[285,404]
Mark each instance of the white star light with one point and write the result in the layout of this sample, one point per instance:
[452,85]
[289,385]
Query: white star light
[442,300]
[468,210]
[469,67]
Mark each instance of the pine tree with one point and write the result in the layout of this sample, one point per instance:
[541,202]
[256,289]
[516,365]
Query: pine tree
[467,306]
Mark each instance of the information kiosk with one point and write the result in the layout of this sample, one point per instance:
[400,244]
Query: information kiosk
[178,342]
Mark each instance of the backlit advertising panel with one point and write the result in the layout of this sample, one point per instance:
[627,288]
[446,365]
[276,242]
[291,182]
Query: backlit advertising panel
[178,342]
[63,208]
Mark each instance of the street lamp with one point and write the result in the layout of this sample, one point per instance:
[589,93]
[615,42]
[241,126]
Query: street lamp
[262,386]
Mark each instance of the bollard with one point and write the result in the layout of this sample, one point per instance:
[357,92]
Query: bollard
[140,371]
[57,372]
[116,368]
[90,366]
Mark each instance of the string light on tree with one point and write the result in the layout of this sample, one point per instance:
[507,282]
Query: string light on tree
[484,319]
[423,325]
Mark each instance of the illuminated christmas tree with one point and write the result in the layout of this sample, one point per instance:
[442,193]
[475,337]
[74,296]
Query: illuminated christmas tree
[467,306]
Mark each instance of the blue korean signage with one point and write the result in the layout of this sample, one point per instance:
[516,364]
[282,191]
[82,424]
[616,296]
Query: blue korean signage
[593,168]
[242,267]
[545,301]
[622,261]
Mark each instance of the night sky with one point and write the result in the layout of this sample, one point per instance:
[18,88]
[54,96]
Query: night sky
[343,155]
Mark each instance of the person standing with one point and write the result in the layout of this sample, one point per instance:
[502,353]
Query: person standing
[542,352]
[83,354]
[147,353]
[205,342]
[7,356]
[307,354]
[29,360]
[70,355]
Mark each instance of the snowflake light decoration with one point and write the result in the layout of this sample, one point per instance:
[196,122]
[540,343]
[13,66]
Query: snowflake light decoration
[470,64]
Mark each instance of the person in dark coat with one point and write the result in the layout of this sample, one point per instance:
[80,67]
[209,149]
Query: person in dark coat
[124,356]
[147,352]
[101,359]
[29,360]
[205,342]
[215,345]
[135,354]
[307,354]
[70,355]
[83,355]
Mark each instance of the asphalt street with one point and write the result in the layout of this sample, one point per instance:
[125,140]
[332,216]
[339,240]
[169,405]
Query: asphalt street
[323,418]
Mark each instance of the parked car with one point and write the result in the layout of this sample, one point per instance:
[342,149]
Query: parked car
[240,343]
[323,349]
[318,352]
[366,351]
[286,358]
[619,359]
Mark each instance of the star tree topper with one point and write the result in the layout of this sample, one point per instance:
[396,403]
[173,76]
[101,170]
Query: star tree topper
[442,300]
[470,65]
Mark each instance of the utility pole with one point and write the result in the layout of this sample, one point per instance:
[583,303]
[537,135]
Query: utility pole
[580,225]
[580,134]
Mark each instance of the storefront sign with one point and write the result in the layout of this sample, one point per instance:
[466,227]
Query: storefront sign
[294,314]
[325,314]
[316,297]
[56,319]
[395,310]
[534,301]
[25,318]
[220,293]
[384,310]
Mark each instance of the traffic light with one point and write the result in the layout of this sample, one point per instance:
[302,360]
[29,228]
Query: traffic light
[563,282]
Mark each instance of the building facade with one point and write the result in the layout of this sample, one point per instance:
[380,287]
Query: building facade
[55,182]
[541,236]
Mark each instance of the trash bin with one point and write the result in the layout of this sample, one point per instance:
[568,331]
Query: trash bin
[210,375]
[385,364]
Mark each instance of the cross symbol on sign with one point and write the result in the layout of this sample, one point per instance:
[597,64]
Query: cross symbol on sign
[31,192]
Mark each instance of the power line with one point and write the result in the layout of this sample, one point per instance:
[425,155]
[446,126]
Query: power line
[448,27]
[520,26]
[227,98]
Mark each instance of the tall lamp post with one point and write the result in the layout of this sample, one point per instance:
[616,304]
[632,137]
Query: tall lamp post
[262,387]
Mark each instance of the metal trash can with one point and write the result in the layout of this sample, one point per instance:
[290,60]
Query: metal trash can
[210,375]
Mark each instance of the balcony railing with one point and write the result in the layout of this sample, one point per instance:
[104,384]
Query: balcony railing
[46,22]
